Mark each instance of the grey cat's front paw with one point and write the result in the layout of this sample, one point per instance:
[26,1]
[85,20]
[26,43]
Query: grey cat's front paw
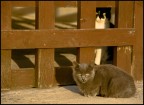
[94,94]
[87,95]
[90,95]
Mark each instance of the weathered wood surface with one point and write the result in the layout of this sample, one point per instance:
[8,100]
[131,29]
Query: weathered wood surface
[66,38]
[124,19]
[6,54]
[63,3]
[45,74]
[23,78]
[5,69]
[137,67]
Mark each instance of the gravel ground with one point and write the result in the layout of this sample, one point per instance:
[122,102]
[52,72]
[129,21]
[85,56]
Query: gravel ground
[64,95]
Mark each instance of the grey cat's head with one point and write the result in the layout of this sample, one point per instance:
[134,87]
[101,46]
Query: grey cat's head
[83,72]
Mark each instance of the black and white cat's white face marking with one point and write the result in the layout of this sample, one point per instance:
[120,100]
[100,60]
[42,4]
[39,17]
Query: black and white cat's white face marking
[83,72]
[100,18]
[101,22]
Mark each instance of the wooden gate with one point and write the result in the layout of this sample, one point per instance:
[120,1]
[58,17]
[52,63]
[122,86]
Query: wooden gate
[126,37]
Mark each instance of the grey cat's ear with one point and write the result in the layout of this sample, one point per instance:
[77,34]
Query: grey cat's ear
[92,64]
[75,66]
[75,63]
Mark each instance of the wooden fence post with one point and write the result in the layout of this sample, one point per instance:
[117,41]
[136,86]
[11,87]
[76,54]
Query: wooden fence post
[6,54]
[45,74]
[86,19]
[124,19]
[137,64]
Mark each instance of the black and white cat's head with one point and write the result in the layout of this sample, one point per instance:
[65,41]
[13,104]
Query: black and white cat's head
[101,22]
[100,18]
[83,72]
[103,12]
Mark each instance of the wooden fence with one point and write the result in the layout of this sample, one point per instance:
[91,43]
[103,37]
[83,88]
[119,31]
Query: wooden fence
[126,37]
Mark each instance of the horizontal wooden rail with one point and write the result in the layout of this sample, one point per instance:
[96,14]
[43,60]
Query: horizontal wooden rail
[32,3]
[66,4]
[62,4]
[23,3]
[17,39]
[105,4]
[23,78]
[74,38]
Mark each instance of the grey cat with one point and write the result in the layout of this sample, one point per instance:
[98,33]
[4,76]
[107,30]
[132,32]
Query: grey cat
[103,80]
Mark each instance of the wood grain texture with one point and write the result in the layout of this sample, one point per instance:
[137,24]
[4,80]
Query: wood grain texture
[23,3]
[124,19]
[45,74]
[137,67]
[6,54]
[66,38]
[45,68]
[23,78]
[45,15]
[105,3]
[86,16]
[5,69]
[6,9]
[66,3]
[86,55]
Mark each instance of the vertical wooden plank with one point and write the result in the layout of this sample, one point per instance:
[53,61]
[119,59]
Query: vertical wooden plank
[23,78]
[6,15]
[45,74]
[86,19]
[124,19]
[86,55]
[86,14]
[6,54]
[45,14]
[137,65]
[5,69]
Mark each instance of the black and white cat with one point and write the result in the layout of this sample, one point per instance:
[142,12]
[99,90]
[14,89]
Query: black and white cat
[103,18]
[103,80]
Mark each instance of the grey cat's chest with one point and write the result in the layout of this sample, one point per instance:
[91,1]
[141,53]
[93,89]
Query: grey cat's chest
[88,88]
[90,85]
